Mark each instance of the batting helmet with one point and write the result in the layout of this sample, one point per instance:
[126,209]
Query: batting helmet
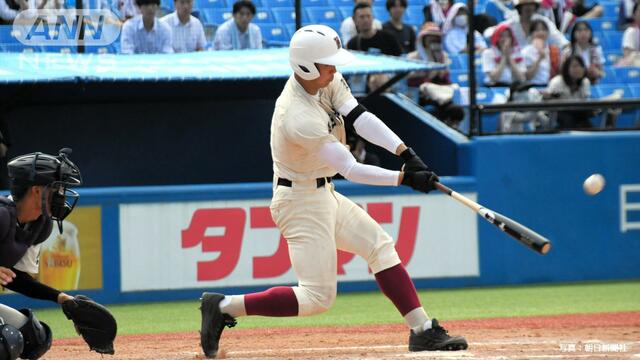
[316,44]
[55,172]
[11,342]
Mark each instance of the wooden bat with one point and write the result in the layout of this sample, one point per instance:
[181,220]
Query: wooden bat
[524,235]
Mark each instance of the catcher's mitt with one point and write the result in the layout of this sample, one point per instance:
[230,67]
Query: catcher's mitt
[93,321]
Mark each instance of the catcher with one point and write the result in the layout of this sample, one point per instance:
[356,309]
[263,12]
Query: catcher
[40,195]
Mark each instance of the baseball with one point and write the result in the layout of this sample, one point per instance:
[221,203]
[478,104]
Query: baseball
[593,184]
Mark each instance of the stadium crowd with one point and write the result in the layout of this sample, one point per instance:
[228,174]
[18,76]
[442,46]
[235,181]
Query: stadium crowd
[527,49]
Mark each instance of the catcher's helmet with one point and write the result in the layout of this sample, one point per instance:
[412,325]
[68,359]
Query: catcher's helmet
[11,341]
[316,44]
[54,172]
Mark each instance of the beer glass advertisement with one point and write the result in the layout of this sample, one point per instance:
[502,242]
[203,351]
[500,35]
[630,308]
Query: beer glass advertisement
[73,260]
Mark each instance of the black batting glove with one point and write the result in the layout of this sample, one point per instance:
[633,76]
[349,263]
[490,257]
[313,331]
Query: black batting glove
[423,181]
[412,162]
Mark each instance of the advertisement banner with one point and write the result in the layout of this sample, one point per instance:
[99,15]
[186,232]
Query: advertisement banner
[73,260]
[235,243]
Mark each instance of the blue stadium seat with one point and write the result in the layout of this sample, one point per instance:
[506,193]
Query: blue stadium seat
[60,49]
[611,9]
[628,74]
[321,15]
[602,24]
[612,40]
[613,56]
[7,35]
[635,90]
[414,15]
[628,117]
[278,3]
[275,33]
[215,16]
[167,5]
[263,16]
[108,49]
[460,77]
[313,3]
[339,3]
[610,76]
[20,48]
[211,4]
[381,13]
[347,11]
[484,95]
[286,15]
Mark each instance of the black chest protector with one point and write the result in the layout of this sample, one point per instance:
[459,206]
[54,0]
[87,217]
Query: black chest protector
[14,239]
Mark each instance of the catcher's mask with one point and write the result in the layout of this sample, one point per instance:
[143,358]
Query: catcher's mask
[56,173]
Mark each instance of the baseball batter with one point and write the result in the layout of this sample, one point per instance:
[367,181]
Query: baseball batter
[308,148]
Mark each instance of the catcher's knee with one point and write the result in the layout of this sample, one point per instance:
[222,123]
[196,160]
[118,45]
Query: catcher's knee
[11,342]
[37,336]
[314,300]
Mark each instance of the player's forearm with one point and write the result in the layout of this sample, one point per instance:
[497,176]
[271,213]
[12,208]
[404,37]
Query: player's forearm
[339,158]
[26,285]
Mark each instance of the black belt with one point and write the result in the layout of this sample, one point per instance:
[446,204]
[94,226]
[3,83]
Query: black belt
[319,182]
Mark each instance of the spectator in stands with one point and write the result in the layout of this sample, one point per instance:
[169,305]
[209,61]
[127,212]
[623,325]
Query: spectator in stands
[541,59]
[571,84]
[187,33]
[553,10]
[503,63]
[238,33]
[583,45]
[436,11]
[429,49]
[521,121]
[372,40]
[9,9]
[521,24]
[144,34]
[500,10]
[404,33]
[631,41]
[455,29]
[579,11]
[625,16]
[126,9]
[348,26]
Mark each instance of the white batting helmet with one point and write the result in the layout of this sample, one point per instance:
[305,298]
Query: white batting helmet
[316,44]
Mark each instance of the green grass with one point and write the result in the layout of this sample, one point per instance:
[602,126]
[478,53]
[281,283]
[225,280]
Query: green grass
[374,308]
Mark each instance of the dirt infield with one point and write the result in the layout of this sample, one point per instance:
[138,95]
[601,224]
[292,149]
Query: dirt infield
[593,336]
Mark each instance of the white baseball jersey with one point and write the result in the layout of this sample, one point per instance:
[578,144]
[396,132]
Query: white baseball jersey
[301,123]
[318,220]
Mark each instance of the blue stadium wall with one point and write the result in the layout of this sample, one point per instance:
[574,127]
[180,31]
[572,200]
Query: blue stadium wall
[535,180]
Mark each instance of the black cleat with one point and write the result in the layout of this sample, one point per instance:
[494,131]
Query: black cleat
[213,322]
[436,338]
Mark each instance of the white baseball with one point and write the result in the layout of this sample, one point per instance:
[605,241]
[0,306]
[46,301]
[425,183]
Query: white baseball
[593,184]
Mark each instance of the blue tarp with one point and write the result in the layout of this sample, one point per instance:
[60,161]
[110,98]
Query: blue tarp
[211,66]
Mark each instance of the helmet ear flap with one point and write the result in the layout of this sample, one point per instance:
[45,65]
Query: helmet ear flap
[305,69]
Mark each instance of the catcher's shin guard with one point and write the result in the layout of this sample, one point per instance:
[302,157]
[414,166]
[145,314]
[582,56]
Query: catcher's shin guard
[11,341]
[213,322]
[37,336]
[436,338]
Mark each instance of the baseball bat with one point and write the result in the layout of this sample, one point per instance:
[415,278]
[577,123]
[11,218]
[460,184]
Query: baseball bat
[523,234]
